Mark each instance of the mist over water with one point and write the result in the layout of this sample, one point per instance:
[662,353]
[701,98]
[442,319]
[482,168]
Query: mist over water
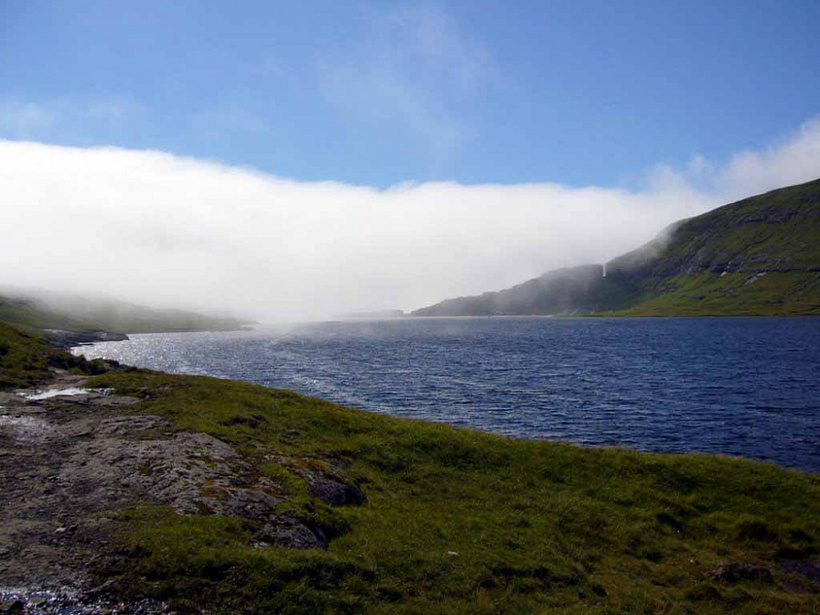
[740,386]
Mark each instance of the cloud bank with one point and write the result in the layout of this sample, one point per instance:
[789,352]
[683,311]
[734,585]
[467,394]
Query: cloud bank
[163,230]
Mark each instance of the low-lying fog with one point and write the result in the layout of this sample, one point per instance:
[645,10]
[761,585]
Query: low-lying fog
[167,231]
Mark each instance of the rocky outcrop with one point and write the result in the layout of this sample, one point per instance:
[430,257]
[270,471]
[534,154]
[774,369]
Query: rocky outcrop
[325,481]
[735,572]
[67,339]
[71,458]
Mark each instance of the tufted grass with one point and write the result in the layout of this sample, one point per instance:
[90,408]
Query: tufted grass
[537,526]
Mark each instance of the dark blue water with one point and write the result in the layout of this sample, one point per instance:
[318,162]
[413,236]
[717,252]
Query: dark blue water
[739,386]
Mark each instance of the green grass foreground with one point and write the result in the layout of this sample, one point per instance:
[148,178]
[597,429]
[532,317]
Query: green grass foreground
[537,527]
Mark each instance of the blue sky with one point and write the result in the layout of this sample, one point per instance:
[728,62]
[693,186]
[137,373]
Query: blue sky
[379,93]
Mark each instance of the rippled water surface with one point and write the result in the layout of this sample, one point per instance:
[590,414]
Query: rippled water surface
[738,386]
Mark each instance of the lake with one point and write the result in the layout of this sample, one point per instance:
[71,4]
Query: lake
[734,386]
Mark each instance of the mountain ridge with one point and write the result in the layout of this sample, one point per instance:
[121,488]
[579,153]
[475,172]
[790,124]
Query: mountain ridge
[63,313]
[756,256]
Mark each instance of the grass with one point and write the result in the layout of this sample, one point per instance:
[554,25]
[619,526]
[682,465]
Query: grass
[759,256]
[25,360]
[735,294]
[537,526]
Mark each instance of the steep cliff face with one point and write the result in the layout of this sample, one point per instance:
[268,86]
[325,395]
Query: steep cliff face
[757,256]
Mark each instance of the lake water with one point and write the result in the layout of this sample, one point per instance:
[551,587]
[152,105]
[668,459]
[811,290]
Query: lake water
[736,386]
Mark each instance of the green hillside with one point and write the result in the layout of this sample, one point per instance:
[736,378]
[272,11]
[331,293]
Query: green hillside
[75,313]
[25,360]
[759,256]
[29,313]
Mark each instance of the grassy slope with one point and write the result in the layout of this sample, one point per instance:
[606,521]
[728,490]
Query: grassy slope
[26,314]
[25,360]
[736,294]
[538,527]
[711,263]
[82,314]
[707,265]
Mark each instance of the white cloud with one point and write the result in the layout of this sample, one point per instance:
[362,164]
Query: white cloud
[791,160]
[415,72]
[164,230]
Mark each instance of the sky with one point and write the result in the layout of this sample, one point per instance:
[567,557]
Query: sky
[290,160]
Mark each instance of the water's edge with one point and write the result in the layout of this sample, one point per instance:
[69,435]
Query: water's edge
[746,387]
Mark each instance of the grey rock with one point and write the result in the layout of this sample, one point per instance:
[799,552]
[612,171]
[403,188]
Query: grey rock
[61,491]
[12,606]
[325,481]
[292,533]
[333,491]
[735,572]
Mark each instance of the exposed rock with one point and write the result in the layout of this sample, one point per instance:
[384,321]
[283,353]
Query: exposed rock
[735,572]
[67,339]
[12,606]
[333,491]
[325,481]
[69,464]
[37,602]
[805,571]
[293,533]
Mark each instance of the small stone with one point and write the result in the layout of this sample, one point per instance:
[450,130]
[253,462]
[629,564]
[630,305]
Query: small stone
[60,530]
[452,554]
[598,590]
[292,533]
[11,606]
[333,491]
[734,572]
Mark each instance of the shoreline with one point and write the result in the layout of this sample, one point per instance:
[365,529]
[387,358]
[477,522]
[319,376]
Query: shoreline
[639,442]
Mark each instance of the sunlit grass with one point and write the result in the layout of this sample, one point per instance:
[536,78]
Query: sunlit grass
[536,526]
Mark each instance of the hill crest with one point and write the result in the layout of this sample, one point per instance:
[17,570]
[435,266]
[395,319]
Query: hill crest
[756,256]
